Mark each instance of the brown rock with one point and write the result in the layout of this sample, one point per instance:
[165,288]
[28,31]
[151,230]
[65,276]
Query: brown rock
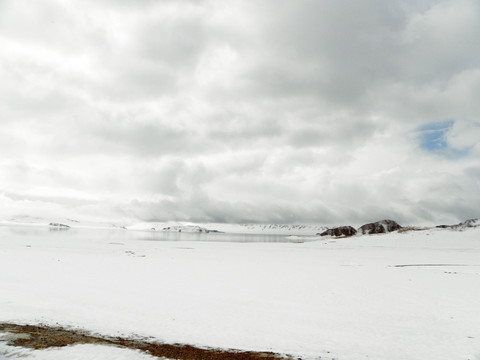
[340,231]
[379,227]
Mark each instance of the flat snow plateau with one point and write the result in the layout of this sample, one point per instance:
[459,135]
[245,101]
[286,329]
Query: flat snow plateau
[333,298]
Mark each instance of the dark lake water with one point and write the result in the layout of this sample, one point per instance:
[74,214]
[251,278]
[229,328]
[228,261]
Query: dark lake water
[32,232]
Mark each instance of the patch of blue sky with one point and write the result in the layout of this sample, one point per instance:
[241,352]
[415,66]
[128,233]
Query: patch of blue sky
[433,139]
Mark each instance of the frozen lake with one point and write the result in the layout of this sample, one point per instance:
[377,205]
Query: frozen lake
[35,233]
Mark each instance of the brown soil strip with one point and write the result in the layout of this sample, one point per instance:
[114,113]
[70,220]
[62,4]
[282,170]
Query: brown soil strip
[41,337]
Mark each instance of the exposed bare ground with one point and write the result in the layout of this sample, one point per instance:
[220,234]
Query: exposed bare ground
[41,337]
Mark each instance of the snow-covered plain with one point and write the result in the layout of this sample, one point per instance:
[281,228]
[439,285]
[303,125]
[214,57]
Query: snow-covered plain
[332,298]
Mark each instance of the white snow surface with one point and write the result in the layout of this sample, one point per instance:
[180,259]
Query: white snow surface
[74,352]
[345,299]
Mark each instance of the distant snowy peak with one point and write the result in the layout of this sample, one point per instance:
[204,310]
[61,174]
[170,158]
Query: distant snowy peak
[60,223]
[470,223]
[273,229]
[267,229]
[171,227]
[25,219]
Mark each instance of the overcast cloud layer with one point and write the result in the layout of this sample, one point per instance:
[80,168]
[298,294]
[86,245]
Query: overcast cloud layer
[330,112]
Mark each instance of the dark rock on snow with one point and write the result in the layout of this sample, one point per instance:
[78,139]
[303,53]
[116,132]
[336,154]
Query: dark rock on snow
[340,231]
[379,227]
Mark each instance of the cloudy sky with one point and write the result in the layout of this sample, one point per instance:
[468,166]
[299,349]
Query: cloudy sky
[325,111]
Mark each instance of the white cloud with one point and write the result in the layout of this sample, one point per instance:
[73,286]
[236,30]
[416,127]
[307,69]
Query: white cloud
[275,111]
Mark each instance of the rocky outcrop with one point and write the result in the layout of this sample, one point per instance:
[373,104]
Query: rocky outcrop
[379,227]
[339,231]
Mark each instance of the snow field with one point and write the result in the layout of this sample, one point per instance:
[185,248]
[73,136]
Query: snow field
[343,299]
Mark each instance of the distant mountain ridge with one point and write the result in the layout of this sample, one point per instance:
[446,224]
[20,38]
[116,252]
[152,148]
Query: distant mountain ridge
[294,229]
[383,226]
[267,229]
[387,225]
[470,223]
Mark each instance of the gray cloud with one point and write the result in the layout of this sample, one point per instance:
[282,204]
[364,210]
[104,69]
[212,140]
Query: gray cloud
[276,111]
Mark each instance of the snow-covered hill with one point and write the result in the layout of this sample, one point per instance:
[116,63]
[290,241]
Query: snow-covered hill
[470,223]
